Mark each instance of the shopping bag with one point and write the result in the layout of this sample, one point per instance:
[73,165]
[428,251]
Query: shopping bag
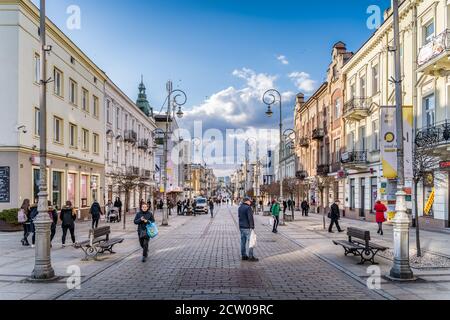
[252,243]
[271,221]
[152,230]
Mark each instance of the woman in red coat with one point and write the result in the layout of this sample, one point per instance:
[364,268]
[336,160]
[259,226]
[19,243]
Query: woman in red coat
[380,209]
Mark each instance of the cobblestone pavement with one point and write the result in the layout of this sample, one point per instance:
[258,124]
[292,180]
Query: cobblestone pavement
[200,260]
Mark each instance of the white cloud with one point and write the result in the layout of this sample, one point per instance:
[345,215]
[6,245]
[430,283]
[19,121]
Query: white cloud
[303,81]
[283,59]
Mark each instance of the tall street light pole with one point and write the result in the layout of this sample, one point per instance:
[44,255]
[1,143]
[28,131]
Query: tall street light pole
[401,269]
[270,98]
[172,104]
[43,269]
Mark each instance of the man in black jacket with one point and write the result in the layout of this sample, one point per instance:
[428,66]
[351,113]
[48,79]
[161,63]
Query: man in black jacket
[335,215]
[246,225]
[96,212]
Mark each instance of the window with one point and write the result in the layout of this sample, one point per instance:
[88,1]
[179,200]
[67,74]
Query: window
[126,122]
[429,111]
[351,141]
[352,91]
[352,194]
[57,190]
[58,82]
[96,141]
[108,152]
[37,127]
[373,193]
[85,100]
[108,111]
[84,191]
[95,106]
[117,154]
[71,187]
[375,80]
[57,130]
[376,135]
[337,108]
[118,118]
[362,138]
[362,87]
[337,150]
[37,68]
[73,135]
[428,32]
[85,140]
[73,88]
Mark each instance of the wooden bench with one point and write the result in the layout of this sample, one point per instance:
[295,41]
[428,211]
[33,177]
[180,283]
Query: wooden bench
[98,243]
[359,244]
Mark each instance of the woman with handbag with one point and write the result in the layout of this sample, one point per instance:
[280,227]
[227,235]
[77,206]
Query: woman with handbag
[143,218]
[23,217]
[380,210]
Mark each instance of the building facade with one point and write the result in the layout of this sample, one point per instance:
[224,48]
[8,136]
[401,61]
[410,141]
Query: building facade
[75,116]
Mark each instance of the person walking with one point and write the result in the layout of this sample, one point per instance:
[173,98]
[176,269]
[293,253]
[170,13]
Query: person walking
[96,212]
[305,208]
[32,229]
[211,207]
[246,226]
[284,206]
[276,208]
[118,205]
[68,217]
[380,210]
[142,219]
[23,217]
[53,215]
[335,216]
[179,208]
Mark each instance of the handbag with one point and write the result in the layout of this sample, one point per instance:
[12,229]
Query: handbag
[21,216]
[252,243]
[152,230]
[271,221]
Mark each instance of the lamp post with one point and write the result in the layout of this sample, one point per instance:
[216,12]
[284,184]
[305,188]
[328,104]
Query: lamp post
[401,269]
[43,269]
[270,98]
[172,104]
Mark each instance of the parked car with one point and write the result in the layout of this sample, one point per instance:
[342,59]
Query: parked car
[201,206]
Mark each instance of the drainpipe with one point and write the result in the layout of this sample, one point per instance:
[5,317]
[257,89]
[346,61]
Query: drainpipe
[414,80]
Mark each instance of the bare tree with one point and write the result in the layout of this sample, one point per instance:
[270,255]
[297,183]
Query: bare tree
[424,162]
[126,181]
[322,184]
[290,187]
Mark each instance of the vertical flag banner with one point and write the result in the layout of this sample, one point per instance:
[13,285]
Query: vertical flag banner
[389,142]
[430,202]
[408,122]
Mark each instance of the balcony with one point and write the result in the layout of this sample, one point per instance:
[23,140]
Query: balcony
[132,171]
[146,174]
[143,144]
[356,109]
[354,158]
[318,134]
[301,175]
[304,142]
[335,167]
[323,170]
[433,57]
[130,136]
[437,136]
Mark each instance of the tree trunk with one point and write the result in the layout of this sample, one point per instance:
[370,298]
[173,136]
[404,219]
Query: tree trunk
[323,213]
[127,204]
[419,250]
[293,207]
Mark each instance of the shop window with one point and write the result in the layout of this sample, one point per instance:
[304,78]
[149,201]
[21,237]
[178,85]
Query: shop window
[57,190]
[84,191]
[71,187]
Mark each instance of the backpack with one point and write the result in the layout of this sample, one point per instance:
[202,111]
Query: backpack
[21,216]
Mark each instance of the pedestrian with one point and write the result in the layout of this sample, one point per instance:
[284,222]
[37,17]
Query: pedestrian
[53,215]
[109,206]
[142,219]
[32,229]
[179,208]
[380,210]
[161,204]
[194,205]
[23,217]
[246,226]
[289,203]
[118,205]
[284,206]
[96,212]
[335,216]
[276,208]
[211,207]
[68,216]
[305,208]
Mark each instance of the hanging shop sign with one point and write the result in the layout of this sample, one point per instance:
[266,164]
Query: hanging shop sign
[430,202]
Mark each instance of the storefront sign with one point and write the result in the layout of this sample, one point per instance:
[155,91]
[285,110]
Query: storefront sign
[445,165]
[430,203]
[5,185]
[36,161]
[389,142]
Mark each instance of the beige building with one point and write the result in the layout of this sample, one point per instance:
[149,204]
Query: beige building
[75,117]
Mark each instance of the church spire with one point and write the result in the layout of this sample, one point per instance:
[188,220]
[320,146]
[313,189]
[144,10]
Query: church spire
[142,101]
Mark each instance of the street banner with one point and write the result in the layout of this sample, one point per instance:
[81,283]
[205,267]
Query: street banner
[430,203]
[408,123]
[389,142]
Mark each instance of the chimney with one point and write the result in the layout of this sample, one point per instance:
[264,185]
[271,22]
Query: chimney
[300,99]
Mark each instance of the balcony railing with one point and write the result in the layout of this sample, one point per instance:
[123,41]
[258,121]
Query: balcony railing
[130,136]
[318,134]
[132,171]
[304,142]
[301,175]
[143,144]
[436,47]
[357,109]
[323,169]
[436,135]
[335,167]
[354,157]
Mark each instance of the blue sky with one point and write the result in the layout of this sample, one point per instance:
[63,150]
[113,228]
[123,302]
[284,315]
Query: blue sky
[218,51]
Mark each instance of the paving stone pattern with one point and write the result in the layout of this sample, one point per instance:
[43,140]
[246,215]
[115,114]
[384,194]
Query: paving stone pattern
[200,260]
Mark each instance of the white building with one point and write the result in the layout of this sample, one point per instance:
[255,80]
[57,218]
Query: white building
[75,116]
